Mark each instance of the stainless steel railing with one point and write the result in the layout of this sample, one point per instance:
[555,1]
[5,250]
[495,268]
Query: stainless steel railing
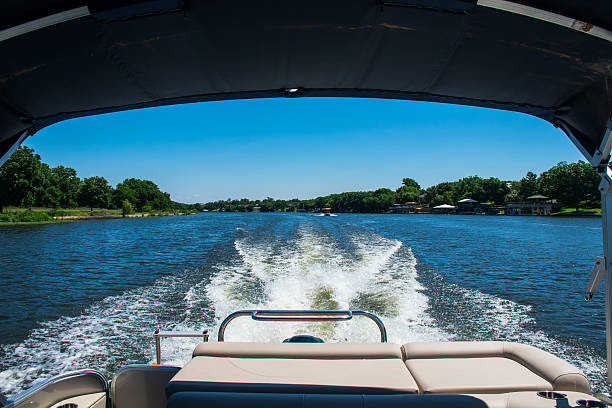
[302,316]
[158,335]
[52,390]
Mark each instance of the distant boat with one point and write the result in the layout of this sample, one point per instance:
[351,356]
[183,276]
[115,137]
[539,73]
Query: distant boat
[325,212]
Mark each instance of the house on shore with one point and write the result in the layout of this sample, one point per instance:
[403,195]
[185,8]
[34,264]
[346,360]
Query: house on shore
[534,205]
[406,208]
[423,210]
[468,206]
[256,209]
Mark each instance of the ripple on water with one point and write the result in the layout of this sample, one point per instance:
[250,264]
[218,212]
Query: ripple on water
[103,287]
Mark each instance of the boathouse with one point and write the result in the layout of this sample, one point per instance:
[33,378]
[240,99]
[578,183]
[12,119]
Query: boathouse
[468,206]
[406,208]
[444,209]
[534,205]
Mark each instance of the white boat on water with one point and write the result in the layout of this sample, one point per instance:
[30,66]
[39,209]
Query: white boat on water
[325,212]
[67,59]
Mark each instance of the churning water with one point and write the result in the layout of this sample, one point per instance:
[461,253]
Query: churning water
[91,294]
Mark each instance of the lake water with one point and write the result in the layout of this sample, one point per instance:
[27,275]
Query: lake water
[90,294]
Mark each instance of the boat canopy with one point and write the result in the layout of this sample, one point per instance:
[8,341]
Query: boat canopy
[64,59]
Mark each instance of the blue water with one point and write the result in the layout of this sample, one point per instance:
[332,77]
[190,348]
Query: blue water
[90,294]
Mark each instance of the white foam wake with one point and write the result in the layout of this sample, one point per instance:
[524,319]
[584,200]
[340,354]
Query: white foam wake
[489,317]
[314,272]
[109,334]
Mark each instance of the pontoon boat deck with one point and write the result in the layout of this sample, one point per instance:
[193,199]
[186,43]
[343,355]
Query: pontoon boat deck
[304,372]
[64,59]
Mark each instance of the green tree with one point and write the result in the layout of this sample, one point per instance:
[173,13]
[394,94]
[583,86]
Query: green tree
[528,186]
[571,183]
[24,180]
[123,193]
[323,202]
[267,204]
[95,193]
[409,191]
[142,193]
[495,190]
[384,199]
[127,208]
[468,187]
[408,182]
[67,184]
[443,193]
[513,194]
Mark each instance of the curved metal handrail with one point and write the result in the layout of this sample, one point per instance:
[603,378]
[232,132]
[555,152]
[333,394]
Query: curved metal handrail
[32,392]
[302,316]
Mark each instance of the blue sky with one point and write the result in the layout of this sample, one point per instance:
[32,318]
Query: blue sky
[286,148]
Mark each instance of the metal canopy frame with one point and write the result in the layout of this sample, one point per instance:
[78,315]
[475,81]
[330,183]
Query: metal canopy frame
[549,17]
[4,157]
[603,265]
[47,21]
[599,159]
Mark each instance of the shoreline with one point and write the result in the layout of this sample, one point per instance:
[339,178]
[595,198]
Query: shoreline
[73,218]
[310,214]
[12,224]
[112,216]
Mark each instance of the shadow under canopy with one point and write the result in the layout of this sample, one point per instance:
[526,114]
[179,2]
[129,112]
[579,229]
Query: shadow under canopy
[64,59]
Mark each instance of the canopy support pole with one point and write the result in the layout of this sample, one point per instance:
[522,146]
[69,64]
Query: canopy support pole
[603,266]
[606,217]
[600,160]
[4,157]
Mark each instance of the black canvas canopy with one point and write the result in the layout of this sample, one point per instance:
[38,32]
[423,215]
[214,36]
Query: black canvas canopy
[62,59]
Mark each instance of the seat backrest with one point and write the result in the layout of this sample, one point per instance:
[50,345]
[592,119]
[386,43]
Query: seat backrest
[341,351]
[141,386]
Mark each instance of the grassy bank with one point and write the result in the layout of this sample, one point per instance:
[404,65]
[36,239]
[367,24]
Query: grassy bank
[41,215]
[25,217]
[581,211]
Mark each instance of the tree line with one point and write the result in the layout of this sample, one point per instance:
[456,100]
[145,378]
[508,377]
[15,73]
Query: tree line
[26,182]
[571,184]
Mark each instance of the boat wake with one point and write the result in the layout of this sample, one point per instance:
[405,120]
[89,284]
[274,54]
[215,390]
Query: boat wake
[472,315]
[299,265]
[313,271]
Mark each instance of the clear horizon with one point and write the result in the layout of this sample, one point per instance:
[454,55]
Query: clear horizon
[302,148]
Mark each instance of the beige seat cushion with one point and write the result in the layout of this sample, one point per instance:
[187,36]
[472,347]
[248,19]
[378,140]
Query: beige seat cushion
[473,375]
[295,367]
[499,366]
[293,375]
[299,350]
